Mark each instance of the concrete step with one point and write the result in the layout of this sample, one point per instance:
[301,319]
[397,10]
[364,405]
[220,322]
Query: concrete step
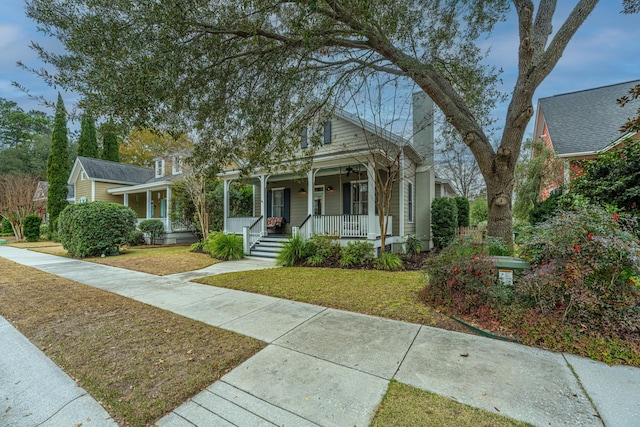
[263,254]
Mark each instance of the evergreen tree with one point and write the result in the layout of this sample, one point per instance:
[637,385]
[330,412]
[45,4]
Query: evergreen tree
[88,143]
[110,145]
[58,165]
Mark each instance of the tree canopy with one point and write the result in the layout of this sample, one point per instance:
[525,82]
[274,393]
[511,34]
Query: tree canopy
[58,164]
[18,128]
[240,73]
[143,145]
[88,141]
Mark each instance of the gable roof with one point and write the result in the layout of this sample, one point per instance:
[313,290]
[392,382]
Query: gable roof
[586,121]
[104,170]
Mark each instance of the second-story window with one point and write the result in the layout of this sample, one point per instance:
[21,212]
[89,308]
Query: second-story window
[159,168]
[176,165]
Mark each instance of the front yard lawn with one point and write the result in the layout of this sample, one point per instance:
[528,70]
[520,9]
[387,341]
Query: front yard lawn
[139,361]
[159,260]
[393,295]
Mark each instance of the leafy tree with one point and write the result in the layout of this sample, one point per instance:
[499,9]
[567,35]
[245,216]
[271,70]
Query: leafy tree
[16,200]
[462,203]
[110,144]
[18,128]
[143,145]
[88,141]
[58,165]
[241,72]
[478,210]
[613,178]
[533,175]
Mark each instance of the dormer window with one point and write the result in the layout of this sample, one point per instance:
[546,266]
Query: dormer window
[83,176]
[176,165]
[159,168]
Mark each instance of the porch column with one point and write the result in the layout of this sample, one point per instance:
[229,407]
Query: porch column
[225,204]
[263,202]
[401,189]
[310,187]
[126,199]
[371,201]
[168,213]
[149,201]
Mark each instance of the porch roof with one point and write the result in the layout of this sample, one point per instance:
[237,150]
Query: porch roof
[156,185]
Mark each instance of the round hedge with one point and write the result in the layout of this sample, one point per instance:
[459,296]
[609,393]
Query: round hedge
[31,227]
[96,228]
[444,221]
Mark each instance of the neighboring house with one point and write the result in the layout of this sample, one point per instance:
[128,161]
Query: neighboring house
[42,194]
[145,190]
[578,125]
[336,196]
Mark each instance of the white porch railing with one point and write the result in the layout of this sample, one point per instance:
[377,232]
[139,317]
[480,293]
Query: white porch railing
[236,224]
[251,234]
[356,226]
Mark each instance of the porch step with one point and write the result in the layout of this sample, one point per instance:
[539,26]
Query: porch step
[268,246]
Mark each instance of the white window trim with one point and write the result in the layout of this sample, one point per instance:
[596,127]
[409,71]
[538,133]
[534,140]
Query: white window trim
[159,168]
[273,199]
[320,191]
[362,181]
[176,165]
[83,176]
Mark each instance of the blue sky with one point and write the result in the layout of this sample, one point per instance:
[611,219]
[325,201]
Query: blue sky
[604,51]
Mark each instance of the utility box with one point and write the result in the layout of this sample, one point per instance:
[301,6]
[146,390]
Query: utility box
[507,265]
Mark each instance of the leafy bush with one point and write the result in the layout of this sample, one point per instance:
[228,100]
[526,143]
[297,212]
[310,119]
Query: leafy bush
[497,247]
[154,228]
[324,246]
[462,203]
[444,221]
[31,227]
[585,265]
[224,246]
[465,278]
[95,228]
[414,245]
[356,253]
[197,246]
[136,238]
[44,230]
[388,261]
[315,260]
[7,229]
[478,211]
[294,250]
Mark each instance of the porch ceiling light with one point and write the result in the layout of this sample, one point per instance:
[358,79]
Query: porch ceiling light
[302,191]
[329,188]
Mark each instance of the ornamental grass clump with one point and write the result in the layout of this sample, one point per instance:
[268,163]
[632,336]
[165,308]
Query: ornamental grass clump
[294,250]
[585,269]
[224,246]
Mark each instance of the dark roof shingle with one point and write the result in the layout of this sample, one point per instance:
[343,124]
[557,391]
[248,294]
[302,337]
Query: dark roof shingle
[104,170]
[588,120]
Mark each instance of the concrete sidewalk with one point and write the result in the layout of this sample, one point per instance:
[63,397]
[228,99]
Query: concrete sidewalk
[331,368]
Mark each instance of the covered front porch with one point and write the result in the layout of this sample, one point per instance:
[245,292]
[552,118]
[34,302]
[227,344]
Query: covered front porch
[337,200]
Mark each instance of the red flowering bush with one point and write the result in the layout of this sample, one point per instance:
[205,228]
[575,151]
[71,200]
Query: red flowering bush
[464,278]
[585,266]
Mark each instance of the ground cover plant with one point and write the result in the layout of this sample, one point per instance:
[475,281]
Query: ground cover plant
[140,362]
[406,406]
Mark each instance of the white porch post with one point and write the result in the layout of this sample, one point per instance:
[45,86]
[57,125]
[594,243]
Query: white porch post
[149,201]
[168,210]
[263,203]
[371,201]
[126,199]
[225,204]
[310,187]
[401,195]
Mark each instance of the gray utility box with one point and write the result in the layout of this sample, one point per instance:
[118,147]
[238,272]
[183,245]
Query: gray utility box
[507,265]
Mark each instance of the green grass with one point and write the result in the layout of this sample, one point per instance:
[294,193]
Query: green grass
[393,295]
[404,405]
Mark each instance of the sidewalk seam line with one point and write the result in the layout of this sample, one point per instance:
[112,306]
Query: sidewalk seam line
[415,337]
[234,404]
[584,390]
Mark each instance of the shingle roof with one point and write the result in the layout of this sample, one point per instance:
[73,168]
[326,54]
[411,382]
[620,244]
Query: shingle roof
[588,120]
[104,170]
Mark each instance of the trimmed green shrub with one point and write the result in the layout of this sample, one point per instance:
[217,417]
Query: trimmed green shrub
[444,221]
[44,230]
[356,253]
[7,229]
[154,228]
[295,249]
[388,261]
[322,246]
[197,246]
[95,228]
[462,203]
[31,227]
[136,238]
[585,266]
[225,246]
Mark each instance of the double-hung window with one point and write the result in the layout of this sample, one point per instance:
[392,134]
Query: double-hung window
[359,198]
[277,202]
